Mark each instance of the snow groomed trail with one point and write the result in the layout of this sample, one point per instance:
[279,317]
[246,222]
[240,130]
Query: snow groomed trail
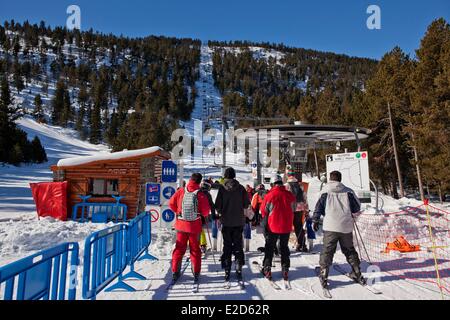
[305,285]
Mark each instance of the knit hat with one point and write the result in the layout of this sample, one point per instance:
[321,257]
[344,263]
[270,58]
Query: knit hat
[229,173]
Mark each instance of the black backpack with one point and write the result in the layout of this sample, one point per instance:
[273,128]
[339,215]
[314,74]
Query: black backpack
[297,191]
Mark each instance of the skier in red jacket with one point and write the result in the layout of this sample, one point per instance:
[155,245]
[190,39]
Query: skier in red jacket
[188,204]
[278,210]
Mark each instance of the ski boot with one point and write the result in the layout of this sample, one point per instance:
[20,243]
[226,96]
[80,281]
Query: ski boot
[203,250]
[323,277]
[267,273]
[175,276]
[285,275]
[239,272]
[357,276]
[196,277]
[227,275]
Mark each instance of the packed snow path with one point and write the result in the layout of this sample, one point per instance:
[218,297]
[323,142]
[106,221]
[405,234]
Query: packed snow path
[305,285]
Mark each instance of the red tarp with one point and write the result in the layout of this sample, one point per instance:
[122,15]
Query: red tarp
[50,199]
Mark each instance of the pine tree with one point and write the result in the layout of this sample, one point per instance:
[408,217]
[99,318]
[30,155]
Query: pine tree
[129,133]
[80,123]
[38,152]
[67,113]
[8,115]
[430,105]
[389,87]
[2,34]
[38,112]
[95,125]
[58,103]
[113,128]
[16,156]
[306,110]
[17,76]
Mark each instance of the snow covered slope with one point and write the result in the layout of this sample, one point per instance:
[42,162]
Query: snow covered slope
[208,98]
[15,194]
[20,232]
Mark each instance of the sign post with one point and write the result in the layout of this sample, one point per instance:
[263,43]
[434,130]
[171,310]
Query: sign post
[354,168]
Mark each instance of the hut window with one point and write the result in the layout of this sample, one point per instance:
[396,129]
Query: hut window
[104,187]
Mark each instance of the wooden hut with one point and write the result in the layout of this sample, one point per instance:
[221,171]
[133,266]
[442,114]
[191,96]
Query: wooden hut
[105,175]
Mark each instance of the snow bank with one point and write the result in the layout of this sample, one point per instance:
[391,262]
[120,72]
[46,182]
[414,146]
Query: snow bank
[21,237]
[106,156]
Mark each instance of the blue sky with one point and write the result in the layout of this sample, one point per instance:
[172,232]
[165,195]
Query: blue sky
[337,26]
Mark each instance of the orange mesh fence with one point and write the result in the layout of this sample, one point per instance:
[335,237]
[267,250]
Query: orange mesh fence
[408,244]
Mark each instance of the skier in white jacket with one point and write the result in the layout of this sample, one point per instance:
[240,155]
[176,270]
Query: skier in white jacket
[337,204]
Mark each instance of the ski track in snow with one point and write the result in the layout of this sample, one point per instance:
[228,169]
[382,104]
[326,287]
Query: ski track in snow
[21,234]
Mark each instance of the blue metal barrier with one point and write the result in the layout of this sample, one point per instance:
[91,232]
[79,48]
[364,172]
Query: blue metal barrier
[42,275]
[139,238]
[99,211]
[105,258]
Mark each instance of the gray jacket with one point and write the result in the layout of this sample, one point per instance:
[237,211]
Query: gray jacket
[337,203]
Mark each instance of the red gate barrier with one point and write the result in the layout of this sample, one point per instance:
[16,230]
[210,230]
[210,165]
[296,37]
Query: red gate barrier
[409,244]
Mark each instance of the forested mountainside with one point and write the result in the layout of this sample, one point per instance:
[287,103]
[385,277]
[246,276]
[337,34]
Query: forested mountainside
[110,88]
[273,81]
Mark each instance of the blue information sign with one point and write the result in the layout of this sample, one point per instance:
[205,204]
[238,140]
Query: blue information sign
[153,194]
[168,192]
[169,171]
[168,215]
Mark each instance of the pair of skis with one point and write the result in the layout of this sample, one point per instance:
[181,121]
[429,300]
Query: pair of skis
[338,268]
[273,284]
[286,284]
[195,285]
[241,284]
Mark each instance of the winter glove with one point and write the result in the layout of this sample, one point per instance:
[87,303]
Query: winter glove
[315,226]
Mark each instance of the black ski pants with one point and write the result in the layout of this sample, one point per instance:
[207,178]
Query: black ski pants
[298,228]
[233,244]
[271,241]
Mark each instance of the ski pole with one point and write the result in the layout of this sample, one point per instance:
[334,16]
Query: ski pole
[209,237]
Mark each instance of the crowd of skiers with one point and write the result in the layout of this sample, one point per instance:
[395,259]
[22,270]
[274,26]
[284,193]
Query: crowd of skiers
[277,210]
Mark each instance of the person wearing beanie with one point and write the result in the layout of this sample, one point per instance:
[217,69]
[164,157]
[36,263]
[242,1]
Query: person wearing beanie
[256,202]
[231,201]
[205,188]
[278,211]
[300,211]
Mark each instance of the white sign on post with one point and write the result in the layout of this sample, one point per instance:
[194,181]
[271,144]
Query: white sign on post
[354,168]
[155,215]
[254,170]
